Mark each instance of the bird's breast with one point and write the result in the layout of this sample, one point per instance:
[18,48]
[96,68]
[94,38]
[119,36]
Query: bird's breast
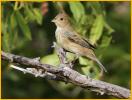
[59,36]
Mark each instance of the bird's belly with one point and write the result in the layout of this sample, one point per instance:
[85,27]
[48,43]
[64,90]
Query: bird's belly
[71,46]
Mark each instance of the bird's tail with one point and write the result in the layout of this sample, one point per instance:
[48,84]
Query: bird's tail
[92,56]
[101,65]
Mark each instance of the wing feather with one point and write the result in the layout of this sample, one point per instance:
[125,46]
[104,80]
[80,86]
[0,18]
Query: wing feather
[74,37]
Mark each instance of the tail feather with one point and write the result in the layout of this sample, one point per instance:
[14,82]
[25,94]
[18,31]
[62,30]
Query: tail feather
[92,56]
[101,66]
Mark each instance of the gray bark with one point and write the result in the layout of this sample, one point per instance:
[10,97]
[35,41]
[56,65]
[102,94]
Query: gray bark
[66,74]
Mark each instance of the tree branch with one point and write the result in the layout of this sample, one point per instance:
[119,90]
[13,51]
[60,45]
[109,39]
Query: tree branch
[66,74]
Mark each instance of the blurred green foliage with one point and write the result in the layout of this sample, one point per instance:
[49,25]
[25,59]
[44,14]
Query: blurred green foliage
[26,32]
[17,19]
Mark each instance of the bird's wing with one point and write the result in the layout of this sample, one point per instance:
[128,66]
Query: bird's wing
[74,37]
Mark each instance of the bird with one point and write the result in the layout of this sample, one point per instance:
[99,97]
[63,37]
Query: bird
[70,40]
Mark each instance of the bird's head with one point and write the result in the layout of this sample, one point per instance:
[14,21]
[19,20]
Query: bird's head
[61,20]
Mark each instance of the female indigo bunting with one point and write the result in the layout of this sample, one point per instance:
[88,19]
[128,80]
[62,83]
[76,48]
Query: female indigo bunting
[71,41]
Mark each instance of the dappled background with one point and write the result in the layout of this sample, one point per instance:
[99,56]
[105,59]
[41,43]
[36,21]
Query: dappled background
[27,30]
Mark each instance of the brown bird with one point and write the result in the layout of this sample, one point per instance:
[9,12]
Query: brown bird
[71,41]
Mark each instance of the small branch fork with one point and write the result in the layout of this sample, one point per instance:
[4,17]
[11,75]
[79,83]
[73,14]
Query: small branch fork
[64,73]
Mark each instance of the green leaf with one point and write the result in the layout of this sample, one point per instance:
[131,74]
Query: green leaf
[85,70]
[96,7]
[12,29]
[5,42]
[29,13]
[84,61]
[109,28]
[97,29]
[51,59]
[38,15]
[106,41]
[77,10]
[13,22]
[5,37]
[22,23]
[70,56]
[16,41]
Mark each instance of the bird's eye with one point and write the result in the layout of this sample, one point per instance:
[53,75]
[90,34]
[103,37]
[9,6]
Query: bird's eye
[61,18]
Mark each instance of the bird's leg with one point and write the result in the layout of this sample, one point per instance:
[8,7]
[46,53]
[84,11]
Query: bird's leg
[65,60]
[60,52]
[62,55]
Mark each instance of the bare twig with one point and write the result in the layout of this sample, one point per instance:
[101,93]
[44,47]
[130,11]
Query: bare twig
[35,72]
[65,73]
